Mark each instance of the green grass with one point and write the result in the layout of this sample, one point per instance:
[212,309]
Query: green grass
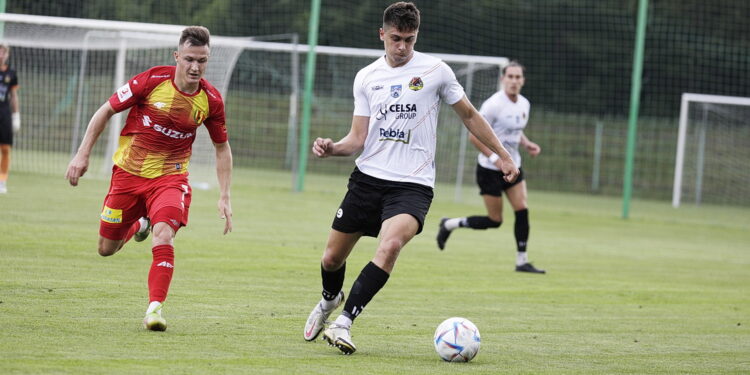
[666,291]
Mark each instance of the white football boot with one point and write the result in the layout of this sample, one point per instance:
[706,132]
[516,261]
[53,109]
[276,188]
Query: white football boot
[340,337]
[317,319]
[142,234]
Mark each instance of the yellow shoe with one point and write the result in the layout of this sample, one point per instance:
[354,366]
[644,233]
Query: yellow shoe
[154,321]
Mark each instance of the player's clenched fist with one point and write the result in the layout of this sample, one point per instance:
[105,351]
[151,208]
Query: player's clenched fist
[322,147]
[510,172]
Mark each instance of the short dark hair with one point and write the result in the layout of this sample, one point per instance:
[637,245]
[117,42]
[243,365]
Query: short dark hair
[515,63]
[404,16]
[195,36]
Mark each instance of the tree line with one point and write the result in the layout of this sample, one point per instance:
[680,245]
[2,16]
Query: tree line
[578,54]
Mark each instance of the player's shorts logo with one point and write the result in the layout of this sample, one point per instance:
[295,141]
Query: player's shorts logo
[416,84]
[395,91]
[111,215]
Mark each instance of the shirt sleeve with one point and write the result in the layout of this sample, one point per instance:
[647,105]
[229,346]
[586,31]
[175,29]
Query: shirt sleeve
[216,121]
[361,101]
[133,91]
[451,91]
[14,81]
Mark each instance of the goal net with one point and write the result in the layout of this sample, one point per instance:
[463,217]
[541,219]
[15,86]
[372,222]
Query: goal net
[713,149]
[68,67]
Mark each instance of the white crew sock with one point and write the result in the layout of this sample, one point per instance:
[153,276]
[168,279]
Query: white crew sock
[344,321]
[328,305]
[521,258]
[154,306]
[452,224]
[143,225]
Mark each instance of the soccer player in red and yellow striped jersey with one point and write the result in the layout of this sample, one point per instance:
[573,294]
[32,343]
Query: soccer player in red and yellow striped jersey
[149,190]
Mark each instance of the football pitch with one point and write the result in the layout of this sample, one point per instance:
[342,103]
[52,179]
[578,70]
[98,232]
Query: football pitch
[665,292]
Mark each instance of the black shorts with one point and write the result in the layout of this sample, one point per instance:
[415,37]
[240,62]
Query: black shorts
[6,128]
[491,182]
[370,201]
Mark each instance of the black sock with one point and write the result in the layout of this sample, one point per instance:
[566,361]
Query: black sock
[369,282]
[481,222]
[333,281]
[521,228]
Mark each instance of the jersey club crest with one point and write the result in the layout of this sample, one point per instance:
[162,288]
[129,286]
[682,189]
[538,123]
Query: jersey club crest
[395,91]
[416,84]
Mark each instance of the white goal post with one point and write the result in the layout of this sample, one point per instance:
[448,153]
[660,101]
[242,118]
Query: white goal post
[687,99]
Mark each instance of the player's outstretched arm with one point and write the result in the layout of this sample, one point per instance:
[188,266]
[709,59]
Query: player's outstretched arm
[224,175]
[80,162]
[349,145]
[480,129]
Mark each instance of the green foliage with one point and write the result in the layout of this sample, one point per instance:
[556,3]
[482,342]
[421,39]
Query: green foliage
[662,293]
[578,53]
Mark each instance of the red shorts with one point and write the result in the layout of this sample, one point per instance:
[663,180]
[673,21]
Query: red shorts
[130,197]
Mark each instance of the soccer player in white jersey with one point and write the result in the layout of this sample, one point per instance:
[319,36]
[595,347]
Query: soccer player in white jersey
[396,103]
[508,113]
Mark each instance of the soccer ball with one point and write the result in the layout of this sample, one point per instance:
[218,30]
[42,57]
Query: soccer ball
[457,340]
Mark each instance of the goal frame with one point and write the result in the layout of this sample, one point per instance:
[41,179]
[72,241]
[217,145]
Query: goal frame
[688,98]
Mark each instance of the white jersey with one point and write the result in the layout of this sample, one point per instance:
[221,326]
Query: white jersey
[403,104]
[507,119]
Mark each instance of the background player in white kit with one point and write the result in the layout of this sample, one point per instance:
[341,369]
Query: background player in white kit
[396,104]
[508,113]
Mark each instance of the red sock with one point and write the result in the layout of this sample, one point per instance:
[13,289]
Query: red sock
[133,228]
[160,274]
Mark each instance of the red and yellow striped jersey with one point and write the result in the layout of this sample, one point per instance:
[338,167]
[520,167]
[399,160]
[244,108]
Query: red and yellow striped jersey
[160,129]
